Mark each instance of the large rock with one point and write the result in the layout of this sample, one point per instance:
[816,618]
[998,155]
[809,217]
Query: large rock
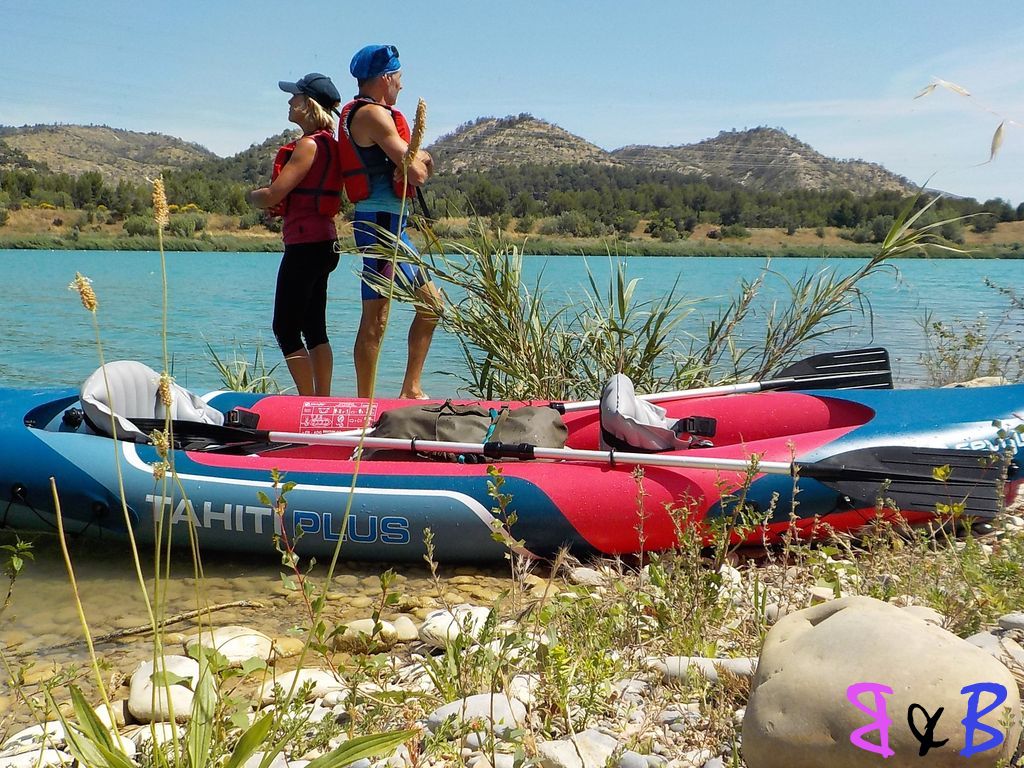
[148,701]
[799,714]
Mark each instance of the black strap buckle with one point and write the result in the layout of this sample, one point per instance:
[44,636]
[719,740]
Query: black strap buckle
[701,426]
[239,417]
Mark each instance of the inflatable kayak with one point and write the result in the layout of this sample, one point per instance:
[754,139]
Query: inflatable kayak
[822,460]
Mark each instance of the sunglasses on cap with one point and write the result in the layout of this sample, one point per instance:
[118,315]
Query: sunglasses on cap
[382,56]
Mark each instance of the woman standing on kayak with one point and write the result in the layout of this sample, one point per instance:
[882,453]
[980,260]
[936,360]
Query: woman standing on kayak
[306,191]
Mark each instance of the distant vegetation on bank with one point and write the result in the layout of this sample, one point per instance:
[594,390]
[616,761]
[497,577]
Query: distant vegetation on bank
[520,181]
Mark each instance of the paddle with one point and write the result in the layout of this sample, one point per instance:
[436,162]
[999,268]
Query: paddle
[852,369]
[908,473]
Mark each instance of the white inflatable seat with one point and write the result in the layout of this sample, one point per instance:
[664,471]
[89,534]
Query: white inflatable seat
[629,422]
[131,390]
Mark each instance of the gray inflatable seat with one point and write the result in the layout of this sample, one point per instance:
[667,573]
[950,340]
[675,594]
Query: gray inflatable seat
[629,422]
[134,393]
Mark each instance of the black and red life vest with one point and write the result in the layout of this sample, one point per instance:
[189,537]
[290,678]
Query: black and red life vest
[328,182]
[355,169]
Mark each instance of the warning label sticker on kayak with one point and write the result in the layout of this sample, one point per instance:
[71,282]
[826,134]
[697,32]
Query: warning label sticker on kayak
[316,416]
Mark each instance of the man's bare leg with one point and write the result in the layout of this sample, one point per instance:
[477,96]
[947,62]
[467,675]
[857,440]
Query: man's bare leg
[421,332]
[372,324]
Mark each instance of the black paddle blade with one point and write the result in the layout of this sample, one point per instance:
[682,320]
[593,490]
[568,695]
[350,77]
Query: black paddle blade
[867,368]
[914,478]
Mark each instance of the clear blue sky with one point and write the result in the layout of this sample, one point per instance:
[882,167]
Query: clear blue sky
[840,76]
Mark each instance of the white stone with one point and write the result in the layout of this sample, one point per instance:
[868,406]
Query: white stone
[523,687]
[730,586]
[406,629]
[256,758]
[120,712]
[499,710]
[160,733]
[35,758]
[822,595]
[366,636]
[323,683]
[587,577]
[1008,651]
[589,749]
[148,702]
[442,627]
[681,667]
[236,644]
[51,732]
[1012,621]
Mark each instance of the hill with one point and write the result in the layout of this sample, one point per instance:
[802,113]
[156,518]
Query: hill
[766,159]
[761,159]
[118,155]
[491,142]
[251,167]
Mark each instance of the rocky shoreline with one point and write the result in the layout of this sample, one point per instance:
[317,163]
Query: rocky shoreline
[783,704]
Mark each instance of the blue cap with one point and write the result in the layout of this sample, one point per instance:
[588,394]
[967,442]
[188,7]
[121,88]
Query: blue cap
[374,60]
[318,87]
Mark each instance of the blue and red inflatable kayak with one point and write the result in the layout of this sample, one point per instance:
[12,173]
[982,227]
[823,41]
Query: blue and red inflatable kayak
[378,509]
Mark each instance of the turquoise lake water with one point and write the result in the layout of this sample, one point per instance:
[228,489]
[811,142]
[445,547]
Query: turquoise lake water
[226,300]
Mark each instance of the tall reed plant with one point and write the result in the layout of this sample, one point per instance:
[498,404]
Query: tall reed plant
[518,342]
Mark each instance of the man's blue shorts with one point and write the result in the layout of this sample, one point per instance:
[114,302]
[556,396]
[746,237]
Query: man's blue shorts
[367,228]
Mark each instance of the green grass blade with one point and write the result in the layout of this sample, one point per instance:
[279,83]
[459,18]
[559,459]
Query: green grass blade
[251,739]
[200,727]
[363,746]
[89,740]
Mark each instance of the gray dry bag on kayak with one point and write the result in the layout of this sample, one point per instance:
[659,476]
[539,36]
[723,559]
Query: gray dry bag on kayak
[535,425]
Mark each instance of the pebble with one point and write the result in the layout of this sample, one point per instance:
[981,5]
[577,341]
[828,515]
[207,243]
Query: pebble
[631,759]
[37,759]
[1012,621]
[587,577]
[681,667]
[498,709]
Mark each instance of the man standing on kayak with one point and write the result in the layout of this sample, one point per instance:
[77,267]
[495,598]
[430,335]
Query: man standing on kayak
[374,138]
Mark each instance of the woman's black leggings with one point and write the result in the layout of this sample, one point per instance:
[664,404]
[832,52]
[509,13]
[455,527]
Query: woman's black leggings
[300,305]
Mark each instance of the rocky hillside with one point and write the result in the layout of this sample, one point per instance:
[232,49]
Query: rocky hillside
[251,166]
[759,159]
[115,153]
[765,159]
[492,142]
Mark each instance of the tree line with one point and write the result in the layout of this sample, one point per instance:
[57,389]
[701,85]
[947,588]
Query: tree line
[580,199]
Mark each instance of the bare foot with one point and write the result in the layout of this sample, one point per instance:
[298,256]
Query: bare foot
[420,396]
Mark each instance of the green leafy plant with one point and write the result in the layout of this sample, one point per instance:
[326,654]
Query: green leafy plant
[238,374]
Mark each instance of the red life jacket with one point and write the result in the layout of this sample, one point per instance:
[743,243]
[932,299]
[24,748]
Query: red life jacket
[355,172]
[327,188]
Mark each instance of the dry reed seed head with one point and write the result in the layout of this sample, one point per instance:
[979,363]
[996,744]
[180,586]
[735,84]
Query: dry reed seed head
[165,390]
[419,127]
[161,214]
[159,470]
[160,442]
[83,285]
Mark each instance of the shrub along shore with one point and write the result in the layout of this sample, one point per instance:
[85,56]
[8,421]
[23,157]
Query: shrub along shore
[228,243]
